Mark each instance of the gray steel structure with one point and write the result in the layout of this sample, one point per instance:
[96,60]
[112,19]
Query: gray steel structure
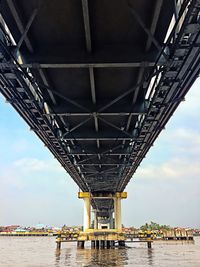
[97,80]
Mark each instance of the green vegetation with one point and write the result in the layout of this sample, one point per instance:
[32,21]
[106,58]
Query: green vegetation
[154,226]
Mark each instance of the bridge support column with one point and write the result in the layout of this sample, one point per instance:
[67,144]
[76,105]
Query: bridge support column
[117,206]
[93,244]
[117,209]
[112,244]
[121,243]
[111,221]
[97,243]
[108,244]
[87,209]
[95,220]
[80,244]
[86,219]
[117,197]
[102,243]
[58,245]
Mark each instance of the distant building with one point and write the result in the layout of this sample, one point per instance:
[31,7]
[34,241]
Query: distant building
[20,230]
[10,228]
[40,226]
[196,232]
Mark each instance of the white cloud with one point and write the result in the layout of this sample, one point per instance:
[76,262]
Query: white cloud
[190,107]
[174,169]
[31,173]
[36,165]
[183,135]
[31,183]
[10,179]
[20,146]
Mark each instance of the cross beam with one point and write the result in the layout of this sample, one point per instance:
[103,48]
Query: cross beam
[57,57]
[89,136]
[121,110]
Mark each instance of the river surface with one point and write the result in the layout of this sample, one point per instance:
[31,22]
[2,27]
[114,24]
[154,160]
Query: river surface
[40,251]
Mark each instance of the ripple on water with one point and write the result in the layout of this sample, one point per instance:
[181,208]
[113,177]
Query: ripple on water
[40,251]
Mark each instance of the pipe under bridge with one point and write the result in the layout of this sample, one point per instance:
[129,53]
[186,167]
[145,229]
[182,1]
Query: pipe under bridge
[97,81]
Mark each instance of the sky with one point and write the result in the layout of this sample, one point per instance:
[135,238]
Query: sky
[34,188]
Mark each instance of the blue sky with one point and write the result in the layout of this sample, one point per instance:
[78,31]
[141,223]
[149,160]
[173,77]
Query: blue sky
[166,187]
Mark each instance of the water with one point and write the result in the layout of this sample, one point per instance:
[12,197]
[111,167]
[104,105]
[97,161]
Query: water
[40,251]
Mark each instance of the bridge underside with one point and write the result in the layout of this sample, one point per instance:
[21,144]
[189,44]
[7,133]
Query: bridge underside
[98,80]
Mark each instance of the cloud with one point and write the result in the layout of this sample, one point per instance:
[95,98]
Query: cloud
[36,165]
[182,162]
[185,136]
[37,185]
[11,180]
[175,169]
[22,145]
[32,173]
[191,103]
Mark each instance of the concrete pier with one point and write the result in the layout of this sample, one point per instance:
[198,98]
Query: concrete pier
[102,221]
[58,244]
[108,244]
[80,244]
[87,213]
[102,243]
[117,209]
[121,244]
[112,244]
[149,244]
[93,244]
[97,243]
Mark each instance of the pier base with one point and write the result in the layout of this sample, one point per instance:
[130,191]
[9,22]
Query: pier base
[108,244]
[102,242]
[93,244]
[121,244]
[97,243]
[149,244]
[58,245]
[112,244]
[102,238]
[80,244]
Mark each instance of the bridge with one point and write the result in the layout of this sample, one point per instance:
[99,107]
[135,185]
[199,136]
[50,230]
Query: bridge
[97,81]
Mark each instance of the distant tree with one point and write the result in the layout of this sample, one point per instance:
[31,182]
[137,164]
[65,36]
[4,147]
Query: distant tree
[165,227]
[154,226]
[144,227]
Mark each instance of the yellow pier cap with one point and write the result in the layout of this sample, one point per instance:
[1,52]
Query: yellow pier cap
[121,195]
[83,194]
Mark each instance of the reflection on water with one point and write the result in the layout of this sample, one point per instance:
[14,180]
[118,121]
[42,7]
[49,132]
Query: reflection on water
[40,251]
[57,254]
[103,257]
[150,256]
[92,257]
